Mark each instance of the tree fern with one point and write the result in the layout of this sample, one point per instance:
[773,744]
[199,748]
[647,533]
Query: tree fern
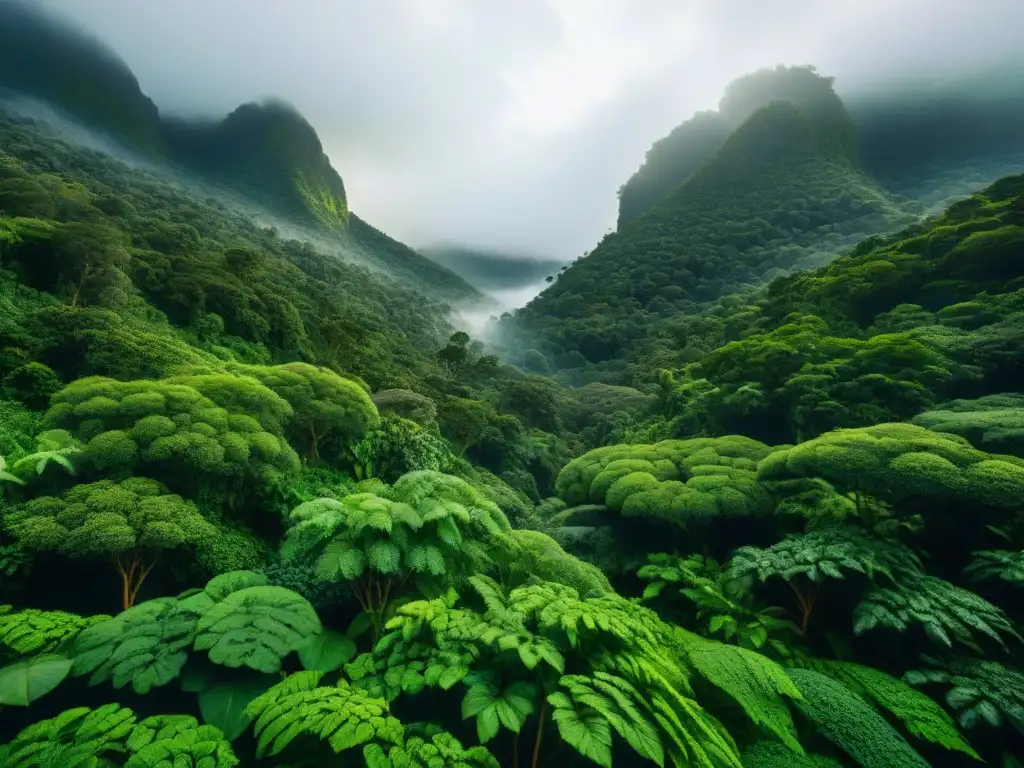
[819,555]
[756,683]
[34,631]
[946,612]
[845,719]
[921,716]
[343,716]
[997,564]
[980,691]
[429,527]
[629,677]
[824,553]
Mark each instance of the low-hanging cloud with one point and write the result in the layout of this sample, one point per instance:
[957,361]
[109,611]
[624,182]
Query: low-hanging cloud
[511,124]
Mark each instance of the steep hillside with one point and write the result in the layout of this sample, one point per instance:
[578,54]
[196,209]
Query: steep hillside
[267,153]
[912,137]
[674,158]
[491,270]
[399,260]
[271,153]
[784,191]
[670,161]
[64,66]
[891,329]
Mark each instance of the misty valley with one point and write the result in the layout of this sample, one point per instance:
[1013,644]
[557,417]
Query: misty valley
[740,486]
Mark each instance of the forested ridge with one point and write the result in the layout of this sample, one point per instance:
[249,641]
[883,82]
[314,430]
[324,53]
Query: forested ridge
[267,153]
[263,506]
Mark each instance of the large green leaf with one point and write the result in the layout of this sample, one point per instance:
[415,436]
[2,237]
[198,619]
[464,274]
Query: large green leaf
[256,627]
[583,729]
[326,652]
[25,681]
[223,704]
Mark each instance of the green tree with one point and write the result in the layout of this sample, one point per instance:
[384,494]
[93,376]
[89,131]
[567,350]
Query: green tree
[130,523]
[329,412]
[428,528]
[190,432]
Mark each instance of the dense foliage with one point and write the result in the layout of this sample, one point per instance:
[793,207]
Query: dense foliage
[261,506]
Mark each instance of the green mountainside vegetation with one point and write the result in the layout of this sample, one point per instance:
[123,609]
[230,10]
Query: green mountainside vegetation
[785,191]
[263,506]
[267,153]
[904,131]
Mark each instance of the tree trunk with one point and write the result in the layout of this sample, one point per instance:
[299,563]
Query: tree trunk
[540,734]
[131,578]
[81,284]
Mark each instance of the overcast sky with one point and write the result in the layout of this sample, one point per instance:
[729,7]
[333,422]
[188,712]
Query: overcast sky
[512,123]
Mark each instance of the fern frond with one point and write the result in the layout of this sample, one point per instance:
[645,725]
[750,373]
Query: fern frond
[75,737]
[442,749]
[849,722]
[34,631]
[981,691]
[584,729]
[146,645]
[921,716]
[178,741]
[945,611]
[621,705]
[756,682]
[999,564]
[343,716]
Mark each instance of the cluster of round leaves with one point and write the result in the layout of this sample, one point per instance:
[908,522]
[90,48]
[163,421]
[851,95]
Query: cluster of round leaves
[108,518]
[198,425]
[899,461]
[679,481]
[336,410]
[237,619]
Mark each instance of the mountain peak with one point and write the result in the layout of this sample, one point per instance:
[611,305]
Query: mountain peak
[676,157]
[270,150]
[52,60]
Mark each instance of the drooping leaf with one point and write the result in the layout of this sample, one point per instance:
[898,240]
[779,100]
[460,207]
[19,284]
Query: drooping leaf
[24,681]
[326,651]
[584,729]
[223,704]
[851,724]
[756,683]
